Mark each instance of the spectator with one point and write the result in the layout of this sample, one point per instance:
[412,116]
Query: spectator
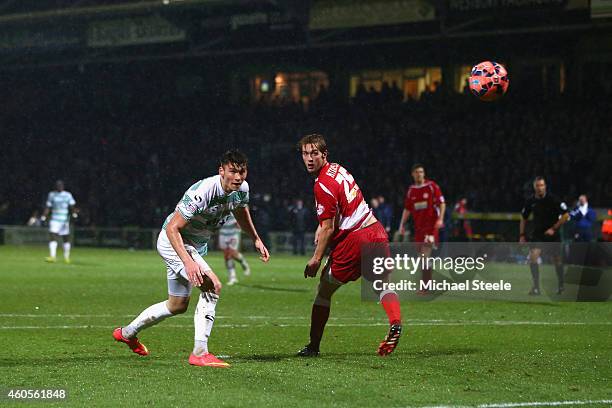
[584,217]
[299,224]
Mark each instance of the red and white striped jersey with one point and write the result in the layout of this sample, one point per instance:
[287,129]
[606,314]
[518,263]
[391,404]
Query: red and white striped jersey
[337,195]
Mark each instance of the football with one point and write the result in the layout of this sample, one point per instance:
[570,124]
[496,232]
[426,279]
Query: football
[488,81]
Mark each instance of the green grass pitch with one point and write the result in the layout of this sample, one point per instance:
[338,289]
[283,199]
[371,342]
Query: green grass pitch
[56,322]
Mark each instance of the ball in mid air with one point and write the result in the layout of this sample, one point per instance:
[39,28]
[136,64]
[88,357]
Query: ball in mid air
[489,81]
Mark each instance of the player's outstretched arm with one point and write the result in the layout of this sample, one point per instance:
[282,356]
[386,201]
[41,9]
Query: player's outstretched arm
[192,269]
[325,233]
[243,217]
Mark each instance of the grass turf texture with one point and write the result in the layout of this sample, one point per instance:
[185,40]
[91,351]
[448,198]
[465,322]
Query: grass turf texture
[56,322]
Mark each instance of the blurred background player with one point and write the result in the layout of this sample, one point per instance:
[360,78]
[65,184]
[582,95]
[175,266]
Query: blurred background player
[182,243]
[425,203]
[346,223]
[549,213]
[229,243]
[60,204]
[463,227]
[584,217]
[299,222]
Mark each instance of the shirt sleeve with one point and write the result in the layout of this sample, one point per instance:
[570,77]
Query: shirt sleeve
[191,203]
[574,213]
[49,203]
[244,196]
[71,200]
[437,192]
[327,202]
[526,211]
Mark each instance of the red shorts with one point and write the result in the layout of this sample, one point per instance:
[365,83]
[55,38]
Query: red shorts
[346,256]
[419,236]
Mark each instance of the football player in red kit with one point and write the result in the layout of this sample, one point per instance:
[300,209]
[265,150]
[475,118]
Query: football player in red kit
[425,202]
[345,224]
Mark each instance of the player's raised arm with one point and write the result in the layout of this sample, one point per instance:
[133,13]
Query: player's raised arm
[243,217]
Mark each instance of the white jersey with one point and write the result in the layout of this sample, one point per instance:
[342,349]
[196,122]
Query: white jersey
[59,202]
[207,207]
[230,228]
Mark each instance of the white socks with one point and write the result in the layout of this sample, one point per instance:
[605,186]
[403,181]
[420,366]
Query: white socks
[203,320]
[243,262]
[231,269]
[53,249]
[149,317]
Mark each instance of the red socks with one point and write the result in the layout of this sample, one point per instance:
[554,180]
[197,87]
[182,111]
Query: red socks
[318,320]
[426,275]
[390,303]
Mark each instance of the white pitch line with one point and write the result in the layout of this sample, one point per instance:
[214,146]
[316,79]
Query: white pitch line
[526,404]
[41,315]
[543,404]
[306,324]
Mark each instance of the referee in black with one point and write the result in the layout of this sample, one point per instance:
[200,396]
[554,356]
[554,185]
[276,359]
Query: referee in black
[549,213]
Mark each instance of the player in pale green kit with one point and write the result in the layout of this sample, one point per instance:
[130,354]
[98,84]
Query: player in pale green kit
[229,243]
[182,243]
[60,204]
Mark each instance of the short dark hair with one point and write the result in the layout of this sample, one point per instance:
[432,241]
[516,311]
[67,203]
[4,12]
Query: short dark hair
[417,166]
[538,178]
[315,139]
[235,157]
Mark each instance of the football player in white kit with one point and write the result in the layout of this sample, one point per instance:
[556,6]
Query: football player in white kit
[183,241]
[229,243]
[60,204]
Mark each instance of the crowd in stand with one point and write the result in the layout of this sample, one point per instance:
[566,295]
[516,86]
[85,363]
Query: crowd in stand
[128,158]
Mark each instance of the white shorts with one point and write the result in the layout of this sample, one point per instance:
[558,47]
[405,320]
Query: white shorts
[178,282]
[59,227]
[229,241]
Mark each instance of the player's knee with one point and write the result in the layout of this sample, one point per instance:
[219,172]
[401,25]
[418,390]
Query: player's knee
[178,306]
[322,301]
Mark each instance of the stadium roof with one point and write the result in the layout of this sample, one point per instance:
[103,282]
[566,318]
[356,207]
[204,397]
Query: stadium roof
[27,10]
